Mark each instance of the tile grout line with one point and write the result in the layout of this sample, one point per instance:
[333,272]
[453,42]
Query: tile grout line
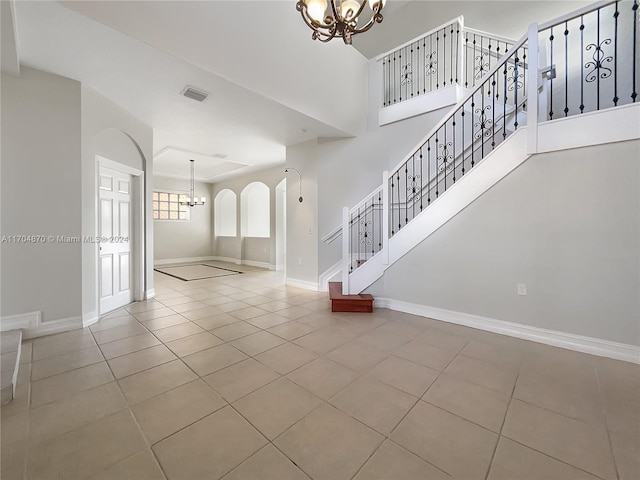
[504,420]
[606,422]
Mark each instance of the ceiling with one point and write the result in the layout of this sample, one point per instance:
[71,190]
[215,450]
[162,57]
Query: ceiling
[248,127]
[270,85]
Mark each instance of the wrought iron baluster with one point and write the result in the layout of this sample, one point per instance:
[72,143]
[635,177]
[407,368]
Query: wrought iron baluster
[474,59]
[453,135]
[415,187]
[379,221]
[444,155]
[457,51]
[453,59]
[466,56]
[597,64]
[384,83]
[419,70]
[551,76]
[566,69]
[421,179]
[406,184]
[515,88]
[428,171]
[444,61]
[437,169]
[462,128]
[524,78]
[392,222]
[358,239]
[425,69]
[473,134]
[615,57]
[394,77]
[399,221]
[581,63]
[504,102]
[634,92]
[493,109]
[401,68]
[444,57]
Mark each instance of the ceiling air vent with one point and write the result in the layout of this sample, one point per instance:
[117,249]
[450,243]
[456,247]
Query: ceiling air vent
[194,94]
[219,155]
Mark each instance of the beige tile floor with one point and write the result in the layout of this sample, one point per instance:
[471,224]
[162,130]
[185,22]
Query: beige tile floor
[243,378]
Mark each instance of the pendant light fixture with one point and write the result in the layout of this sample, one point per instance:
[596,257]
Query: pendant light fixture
[339,18]
[192,200]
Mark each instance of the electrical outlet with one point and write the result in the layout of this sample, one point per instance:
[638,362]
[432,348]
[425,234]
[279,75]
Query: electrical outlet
[309,230]
[522,289]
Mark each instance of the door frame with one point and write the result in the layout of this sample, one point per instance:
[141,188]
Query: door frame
[137,226]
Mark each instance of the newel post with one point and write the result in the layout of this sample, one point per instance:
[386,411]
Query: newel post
[532,90]
[346,236]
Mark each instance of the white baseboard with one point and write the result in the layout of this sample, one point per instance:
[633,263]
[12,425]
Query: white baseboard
[149,294]
[294,282]
[169,261]
[32,325]
[328,276]
[90,318]
[228,260]
[579,343]
[252,263]
[20,321]
[54,326]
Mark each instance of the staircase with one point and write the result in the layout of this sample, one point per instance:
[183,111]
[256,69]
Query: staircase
[511,94]
[359,303]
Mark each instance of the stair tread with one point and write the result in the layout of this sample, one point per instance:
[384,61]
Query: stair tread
[335,293]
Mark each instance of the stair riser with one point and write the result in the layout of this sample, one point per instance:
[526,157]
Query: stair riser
[352,306]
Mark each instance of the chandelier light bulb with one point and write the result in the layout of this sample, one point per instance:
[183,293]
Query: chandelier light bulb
[349,9]
[373,3]
[316,9]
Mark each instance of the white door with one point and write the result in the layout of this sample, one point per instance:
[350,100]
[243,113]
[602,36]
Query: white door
[114,231]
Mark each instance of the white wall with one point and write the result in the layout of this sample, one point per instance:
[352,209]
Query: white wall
[565,223]
[184,239]
[302,218]
[249,249]
[41,194]
[111,132]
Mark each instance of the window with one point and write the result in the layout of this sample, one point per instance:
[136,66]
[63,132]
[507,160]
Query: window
[256,210]
[166,206]
[225,214]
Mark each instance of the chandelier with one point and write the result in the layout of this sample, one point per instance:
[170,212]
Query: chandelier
[342,19]
[192,200]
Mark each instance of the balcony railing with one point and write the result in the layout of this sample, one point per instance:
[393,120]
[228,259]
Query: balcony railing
[424,65]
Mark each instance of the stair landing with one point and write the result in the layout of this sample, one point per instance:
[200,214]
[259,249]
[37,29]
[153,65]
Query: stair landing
[362,303]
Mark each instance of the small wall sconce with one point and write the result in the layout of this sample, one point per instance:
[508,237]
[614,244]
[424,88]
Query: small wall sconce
[286,170]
